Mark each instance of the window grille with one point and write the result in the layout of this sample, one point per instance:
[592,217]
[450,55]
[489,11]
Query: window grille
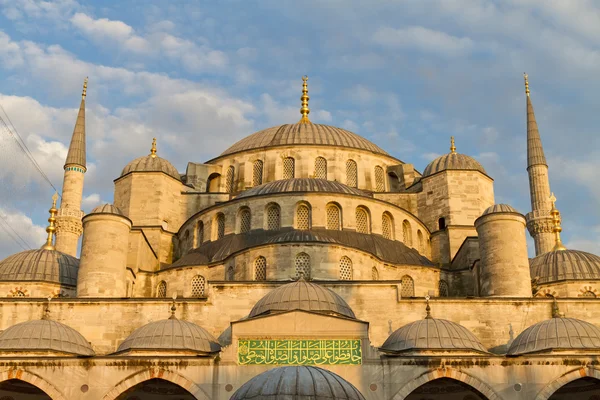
[362,221]
[245,220]
[320,168]
[379,179]
[257,173]
[421,241]
[408,286]
[386,226]
[333,217]
[200,234]
[406,233]
[260,269]
[303,217]
[345,269]
[161,290]
[587,293]
[220,226]
[302,264]
[374,274]
[443,286]
[198,286]
[273,218]
[230,174]
[288,168]
[351,173]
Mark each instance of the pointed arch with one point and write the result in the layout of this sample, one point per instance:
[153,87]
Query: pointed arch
[257,173]
[565,379]
[244,220]
[334,217]
[303,216]
[161,289]
[219,226]
[273,220]
[387,226]
[34,380]
[407,233]
[230,179]
[420,241]
[363,220]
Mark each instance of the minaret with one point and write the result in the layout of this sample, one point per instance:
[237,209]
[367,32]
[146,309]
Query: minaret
[68,221]
[539,220]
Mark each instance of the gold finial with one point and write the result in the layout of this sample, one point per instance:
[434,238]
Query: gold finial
[153,149]
[452,146]
[557,228]
[304,110]
[173,307]
[51,228]
[427,308]
[84,93]
[526,83]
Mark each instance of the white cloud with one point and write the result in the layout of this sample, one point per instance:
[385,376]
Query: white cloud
[89,202]
[23,233]
[423,39]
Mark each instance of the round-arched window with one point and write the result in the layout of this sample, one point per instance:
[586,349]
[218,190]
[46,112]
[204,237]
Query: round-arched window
[161,289]
[260,269]
[289,167]
[273,217]
[198,286]
[302,265]
[408,286]
[320,168]
[351,173]
[257,173]
[346,269]
[362,220]
[245,220]
[303,217]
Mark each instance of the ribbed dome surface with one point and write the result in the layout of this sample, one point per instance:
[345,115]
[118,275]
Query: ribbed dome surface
[44,335]
[565,264]
[40,265]
[432,334]
[301,185]
[302,295]
[151,164]
[171,334]
[557,334]
[453,161]
[106,209]
[304,134]
[499,208]
[308,383]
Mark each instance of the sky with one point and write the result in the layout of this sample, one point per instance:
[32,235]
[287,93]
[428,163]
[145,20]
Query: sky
[200,75]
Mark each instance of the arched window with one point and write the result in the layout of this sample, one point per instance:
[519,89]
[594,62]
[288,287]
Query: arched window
[303,217]
[443,286]
[421,241]
[362,220]
[320,168]
[260,269]
[351,173]
[230,273]
[442,223]
[302,264]
[387,226]
[334,217]
[273,217]
[198,286]
[257,173]
[406,233]
[346,269]
[213,183]
[161,289]
[199,234]
[379,179]
[230,181]
[374,274]
[245,220]
[408,286]
[220,226]
[289,166]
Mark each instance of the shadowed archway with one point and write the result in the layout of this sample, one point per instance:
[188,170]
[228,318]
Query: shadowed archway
[156,389]
[445,389]
[20,390]
[586,388]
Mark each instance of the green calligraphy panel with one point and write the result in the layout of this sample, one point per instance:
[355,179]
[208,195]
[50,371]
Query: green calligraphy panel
[299,352]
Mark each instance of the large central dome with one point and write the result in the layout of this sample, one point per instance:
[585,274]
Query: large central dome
[304,133]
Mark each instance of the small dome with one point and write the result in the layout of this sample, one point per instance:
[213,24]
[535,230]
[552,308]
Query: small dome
[40,265]
[565,265]
[304,134]
[557,334]
[297,383]
[453,161]
[499,208]
[151,164]
[106,209]
[44,335]
[432,334]
[302,295]
[171,334]
[301,185]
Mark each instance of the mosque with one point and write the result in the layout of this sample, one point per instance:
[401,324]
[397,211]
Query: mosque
[303,262]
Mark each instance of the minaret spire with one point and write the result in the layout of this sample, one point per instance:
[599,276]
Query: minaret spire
[304,110]
[539,221]
[76,154]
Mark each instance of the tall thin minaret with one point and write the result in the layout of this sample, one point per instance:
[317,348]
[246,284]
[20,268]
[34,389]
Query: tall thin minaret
[539,220]
[68,221]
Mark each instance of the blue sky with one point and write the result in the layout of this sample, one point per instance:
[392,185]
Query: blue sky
[200,75]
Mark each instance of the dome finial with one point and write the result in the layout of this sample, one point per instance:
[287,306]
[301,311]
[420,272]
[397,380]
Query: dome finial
[173,307]
[304,110]
[51,228]
[557,228]
[427,308]
[525,76]
[153,149]
[84,93]
[452,146]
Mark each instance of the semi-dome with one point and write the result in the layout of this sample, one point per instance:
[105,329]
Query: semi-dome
[565,265]
[302,295]
[557,334]
[301,185]
[44,335]
[151,164]
[171,335]
[432,334]
[40,265]
[297,383]
[107,209]
[305,133]
[499,208]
